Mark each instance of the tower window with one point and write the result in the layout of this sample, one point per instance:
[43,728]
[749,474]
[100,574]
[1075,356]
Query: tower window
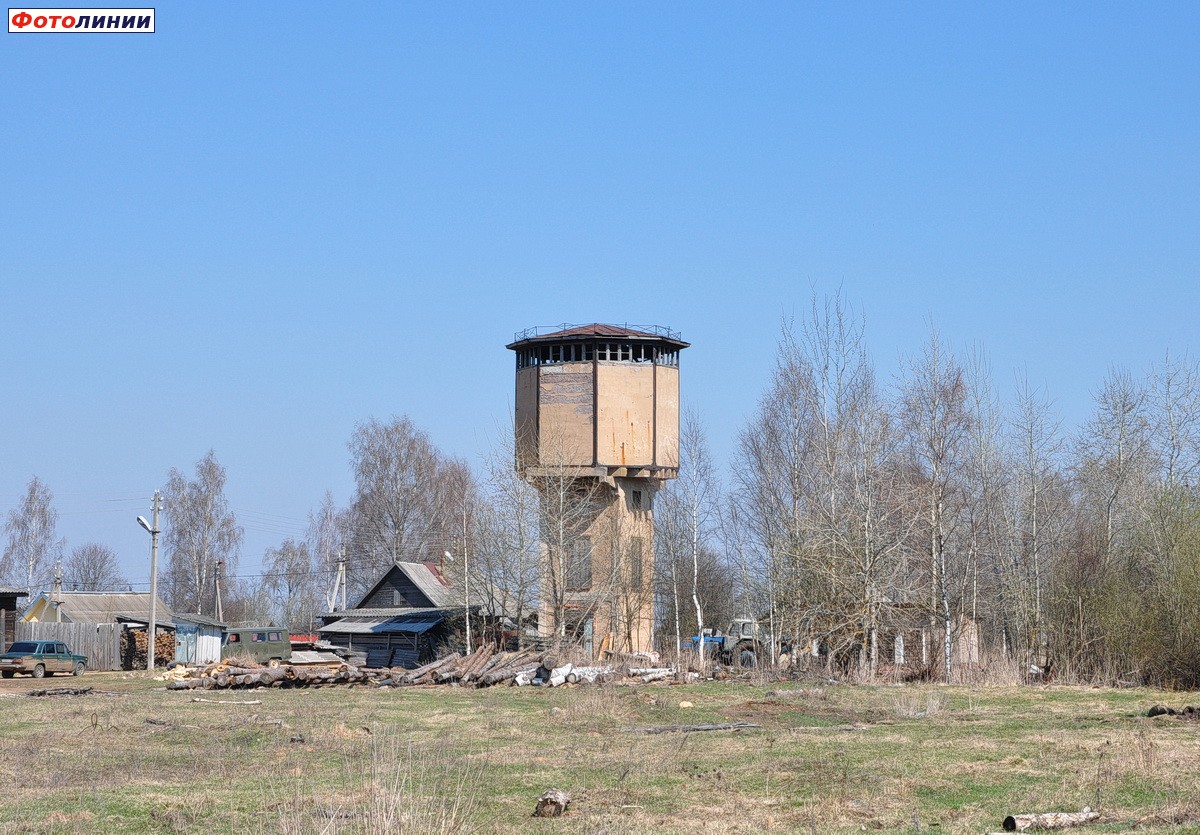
[579,565]
[635,499]
[635,562]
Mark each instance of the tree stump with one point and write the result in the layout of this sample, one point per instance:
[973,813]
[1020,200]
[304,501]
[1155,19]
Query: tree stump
[552,803]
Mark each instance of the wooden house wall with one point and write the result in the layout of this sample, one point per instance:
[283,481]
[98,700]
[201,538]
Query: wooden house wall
[385,596]
[8,620]
[391,649]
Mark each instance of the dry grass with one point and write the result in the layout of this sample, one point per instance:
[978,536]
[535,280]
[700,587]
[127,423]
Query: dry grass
[398,785]
[831,759]
[919,704]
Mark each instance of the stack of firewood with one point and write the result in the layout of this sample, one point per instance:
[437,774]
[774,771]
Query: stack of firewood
[134,644]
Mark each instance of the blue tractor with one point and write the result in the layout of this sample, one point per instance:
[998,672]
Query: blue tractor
[741,643]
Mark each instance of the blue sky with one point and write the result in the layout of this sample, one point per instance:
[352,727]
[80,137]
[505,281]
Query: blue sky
[261,225]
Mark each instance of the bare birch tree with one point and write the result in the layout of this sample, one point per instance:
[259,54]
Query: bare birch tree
[326,538]
[405,499]
[1037,445]
[293,583]
[685,520]
[199,530]
[1174,405]
[934,400]
[1113,459]
[33,545]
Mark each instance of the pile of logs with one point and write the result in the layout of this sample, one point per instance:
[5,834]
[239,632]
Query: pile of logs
[485,667]
[223,675]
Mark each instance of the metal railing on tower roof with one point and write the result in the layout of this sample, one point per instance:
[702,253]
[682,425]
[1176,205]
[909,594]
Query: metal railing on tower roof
[545,330]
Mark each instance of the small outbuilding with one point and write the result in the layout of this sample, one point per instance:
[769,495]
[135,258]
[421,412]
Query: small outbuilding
[198,639]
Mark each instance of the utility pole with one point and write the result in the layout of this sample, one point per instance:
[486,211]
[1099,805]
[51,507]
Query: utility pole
[466,578]
[342,574]
[339,583]
[152,627]
[217,577]
[56,596]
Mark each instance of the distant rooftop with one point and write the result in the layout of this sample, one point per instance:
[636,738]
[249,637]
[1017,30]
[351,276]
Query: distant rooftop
[541,333]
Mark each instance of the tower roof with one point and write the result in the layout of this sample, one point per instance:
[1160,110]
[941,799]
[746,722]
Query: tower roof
[579,333]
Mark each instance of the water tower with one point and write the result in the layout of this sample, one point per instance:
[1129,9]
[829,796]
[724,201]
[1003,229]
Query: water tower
[597,432]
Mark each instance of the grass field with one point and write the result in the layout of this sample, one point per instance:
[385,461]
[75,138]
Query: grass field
[828,759]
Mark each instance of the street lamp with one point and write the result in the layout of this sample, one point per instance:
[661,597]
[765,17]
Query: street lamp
[466,593]
[152,627]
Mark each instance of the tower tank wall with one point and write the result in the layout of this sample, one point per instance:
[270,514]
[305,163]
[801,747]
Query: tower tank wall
[625,425]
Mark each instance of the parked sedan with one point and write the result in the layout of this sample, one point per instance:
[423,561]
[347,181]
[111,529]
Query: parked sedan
[41,658]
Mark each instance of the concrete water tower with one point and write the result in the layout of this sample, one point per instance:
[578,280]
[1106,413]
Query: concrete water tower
[597,432]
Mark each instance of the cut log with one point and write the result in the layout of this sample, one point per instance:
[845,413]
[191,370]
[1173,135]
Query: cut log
[552,803]
[62,691]
[500,659]
[672,729]
[430,667]
[482,656]
[497,676]
[187,684]
[657,676]
[1048,820]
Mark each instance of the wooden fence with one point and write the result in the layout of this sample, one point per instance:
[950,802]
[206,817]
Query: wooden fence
[100,642]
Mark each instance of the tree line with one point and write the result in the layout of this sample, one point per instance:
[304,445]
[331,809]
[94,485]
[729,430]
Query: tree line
[857,509]
[861,509]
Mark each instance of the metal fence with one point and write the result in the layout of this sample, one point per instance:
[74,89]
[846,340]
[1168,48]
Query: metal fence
[100,642]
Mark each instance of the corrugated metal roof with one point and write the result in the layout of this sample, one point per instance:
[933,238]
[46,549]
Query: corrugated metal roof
[390,612]
[425,576]
[202,620]
[414,623]
[106,607]
[431,582]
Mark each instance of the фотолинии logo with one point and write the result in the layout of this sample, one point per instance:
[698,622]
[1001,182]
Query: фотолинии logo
[81,20]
